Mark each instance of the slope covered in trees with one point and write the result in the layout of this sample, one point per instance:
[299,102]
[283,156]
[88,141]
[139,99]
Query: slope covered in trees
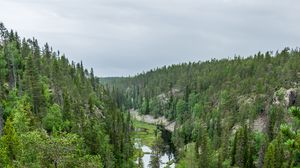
[238,112]
[55,113]
[228,112]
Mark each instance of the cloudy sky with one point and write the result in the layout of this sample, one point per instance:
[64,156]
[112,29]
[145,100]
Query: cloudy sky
[125,37]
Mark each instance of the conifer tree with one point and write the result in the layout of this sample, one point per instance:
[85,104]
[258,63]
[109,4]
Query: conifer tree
[156,152]
[269,161]
[233,150]
[10,143]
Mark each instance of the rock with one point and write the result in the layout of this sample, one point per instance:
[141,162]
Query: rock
[235,128]
[163,98]
[174,91]
[151,120]
[285,97]
[290,97]
[260,123]
[171,126]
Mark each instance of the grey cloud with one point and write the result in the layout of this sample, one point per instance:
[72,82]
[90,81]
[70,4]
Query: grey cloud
[125,37]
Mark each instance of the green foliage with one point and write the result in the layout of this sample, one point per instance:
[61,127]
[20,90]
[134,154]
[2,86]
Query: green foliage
[140,163]
[9,144]
[22,115]
[61,148]
[197,109]
[243,155]
[32,155]
[295,111]
[56,113]
[190,157]
[292,138]
[180,110]
[145,107]
[155,107]
[3,69]
[145,132]
[269,161]
[90,161]
[156,152]
[221,96]
[53,119]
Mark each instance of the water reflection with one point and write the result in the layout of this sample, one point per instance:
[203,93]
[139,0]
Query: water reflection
[164,159]
[168,150]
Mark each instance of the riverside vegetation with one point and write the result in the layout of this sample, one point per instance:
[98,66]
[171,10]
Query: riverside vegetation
[239,112]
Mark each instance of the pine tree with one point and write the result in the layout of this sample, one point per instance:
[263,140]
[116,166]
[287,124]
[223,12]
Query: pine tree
[10,141]
[3,69]
[32,80]
[3,74]
[3,32]
[279,151]
[233,150]
[92,77]
[12,54]
[156,152]
[202,145]
[269,161]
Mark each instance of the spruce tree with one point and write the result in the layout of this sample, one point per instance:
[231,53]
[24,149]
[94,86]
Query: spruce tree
[269,161]
[10,142]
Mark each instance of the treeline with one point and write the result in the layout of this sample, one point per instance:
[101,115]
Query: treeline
[55,113]
[228,112]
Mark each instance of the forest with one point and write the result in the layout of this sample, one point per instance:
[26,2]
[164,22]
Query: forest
[236,112]
[55,113]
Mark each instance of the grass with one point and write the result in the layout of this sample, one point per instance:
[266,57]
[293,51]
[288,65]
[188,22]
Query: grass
[145,132]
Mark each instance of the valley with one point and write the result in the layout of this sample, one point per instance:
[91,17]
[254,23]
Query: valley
[220,113]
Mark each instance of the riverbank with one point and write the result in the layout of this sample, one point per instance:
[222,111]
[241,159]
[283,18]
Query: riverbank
[145,132]
[170,126]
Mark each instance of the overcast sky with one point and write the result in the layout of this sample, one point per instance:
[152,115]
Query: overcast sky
[125,37]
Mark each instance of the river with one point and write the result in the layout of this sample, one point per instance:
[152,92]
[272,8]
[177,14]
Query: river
[168,151]
[165,159]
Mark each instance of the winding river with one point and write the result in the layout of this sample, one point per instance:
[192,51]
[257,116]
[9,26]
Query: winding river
[166,128]
[168,151]
[167,158]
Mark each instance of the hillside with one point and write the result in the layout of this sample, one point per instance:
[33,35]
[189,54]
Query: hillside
[55,113]
[229,110]
[239,112]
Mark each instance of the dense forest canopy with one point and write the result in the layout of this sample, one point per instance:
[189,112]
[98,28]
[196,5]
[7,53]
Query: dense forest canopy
[55,113]
[228,112]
